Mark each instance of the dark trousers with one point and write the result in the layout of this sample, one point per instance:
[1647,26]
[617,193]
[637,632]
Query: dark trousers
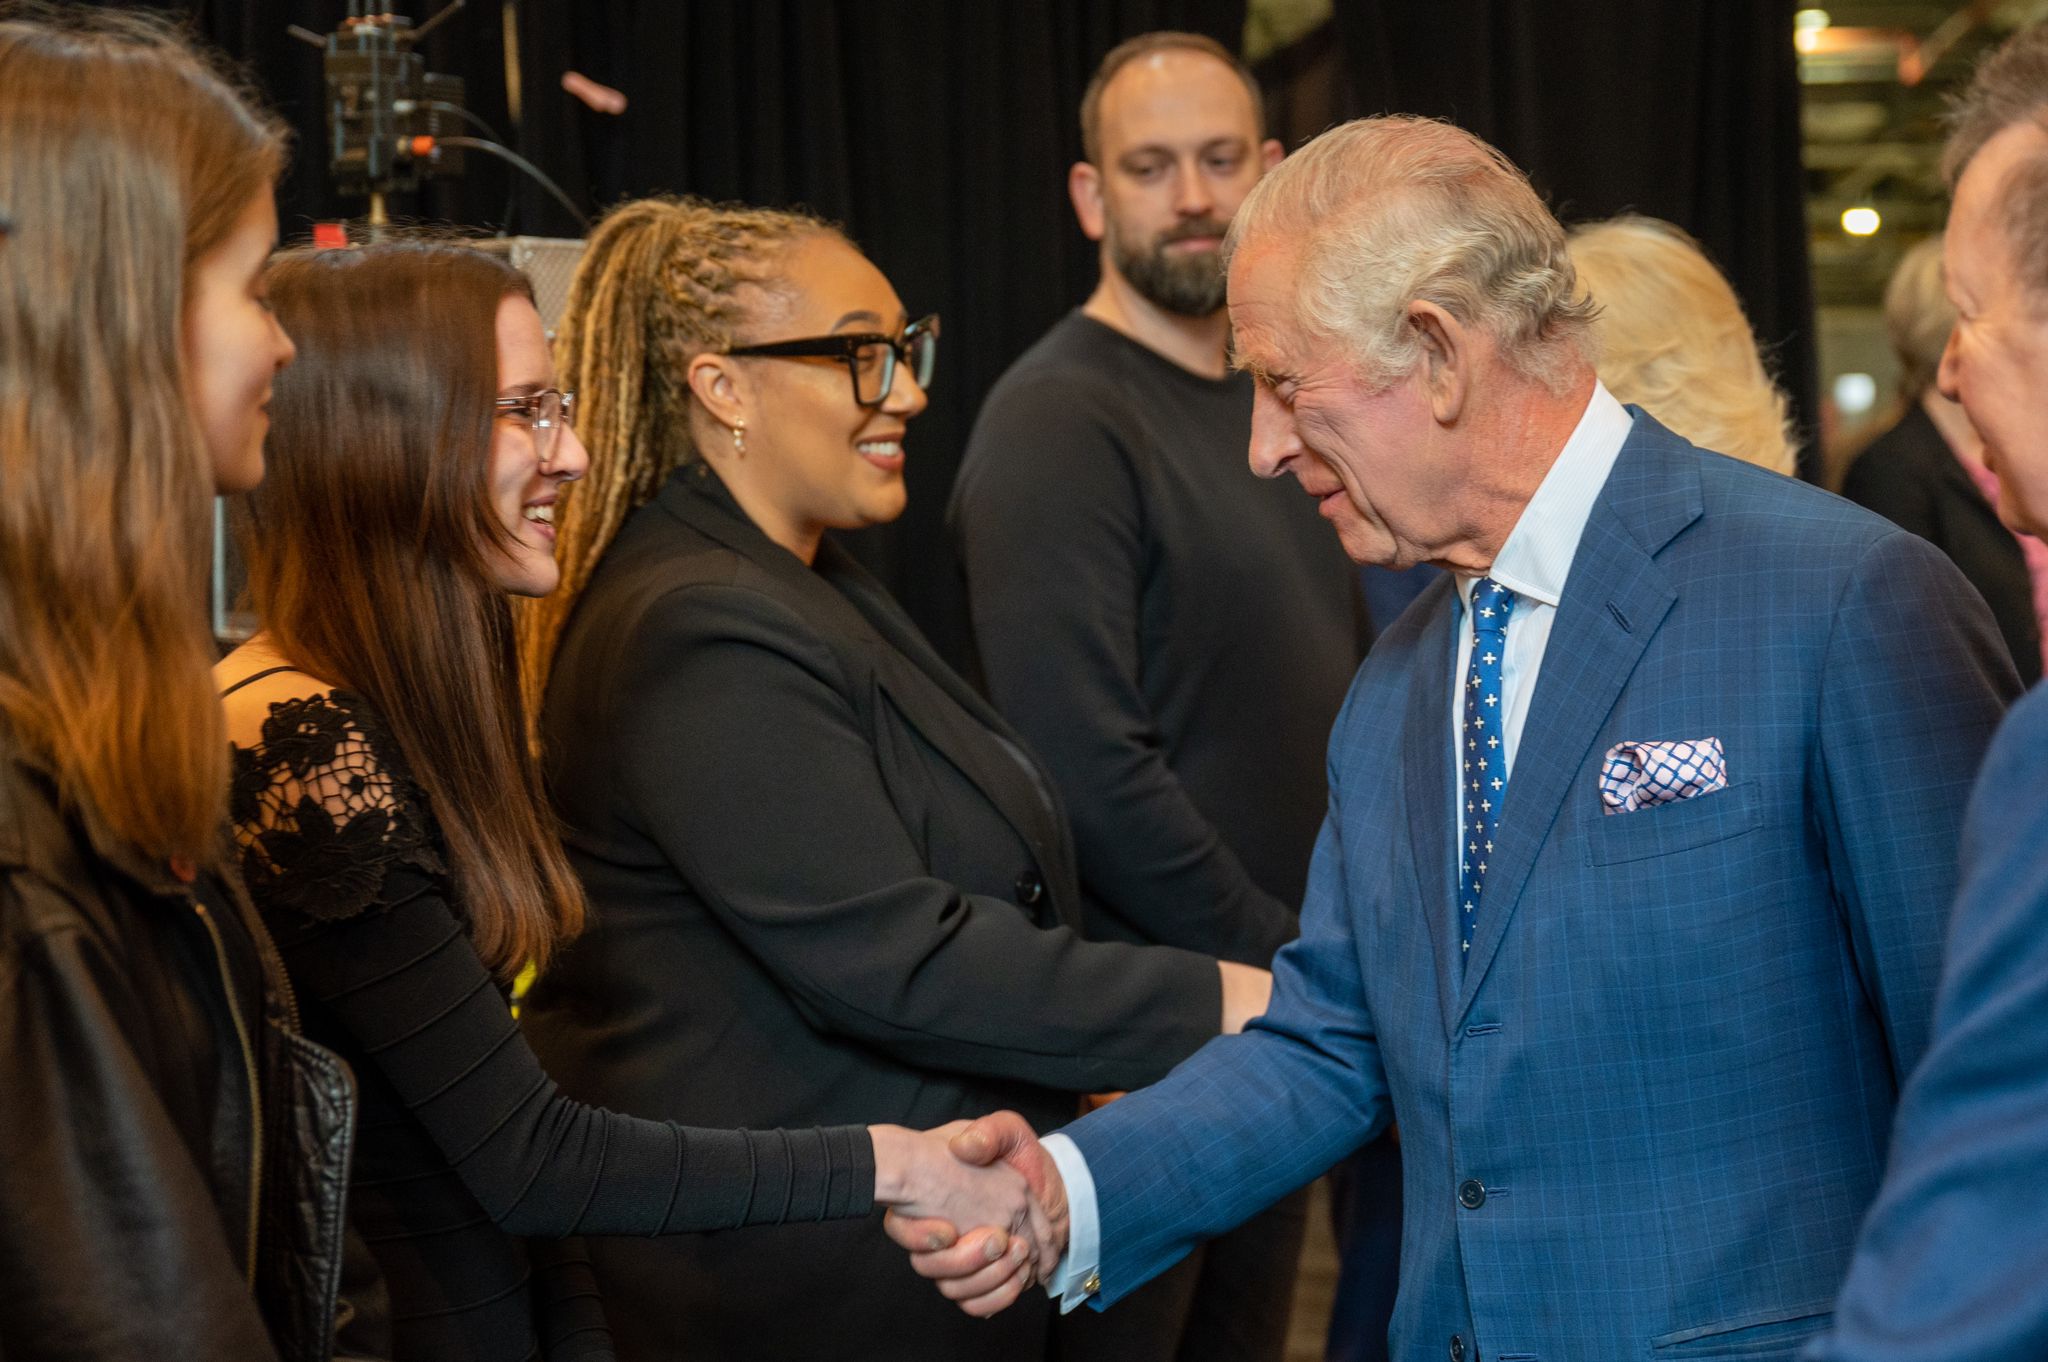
[1365,1213]
[1228,1301]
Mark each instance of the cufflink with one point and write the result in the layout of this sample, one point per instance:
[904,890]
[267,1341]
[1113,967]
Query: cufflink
[1092,1285]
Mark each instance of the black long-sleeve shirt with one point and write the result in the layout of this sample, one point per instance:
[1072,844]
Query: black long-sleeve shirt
[1173,635]
[465,1143]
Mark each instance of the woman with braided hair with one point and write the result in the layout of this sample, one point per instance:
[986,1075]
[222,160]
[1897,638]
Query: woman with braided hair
[827,883]
[393,833]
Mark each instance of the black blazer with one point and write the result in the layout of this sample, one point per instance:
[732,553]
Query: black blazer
[828,885]
[1909,476]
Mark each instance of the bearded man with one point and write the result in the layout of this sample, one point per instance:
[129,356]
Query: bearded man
[1173,637]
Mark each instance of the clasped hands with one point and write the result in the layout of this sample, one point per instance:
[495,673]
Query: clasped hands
[978,1204]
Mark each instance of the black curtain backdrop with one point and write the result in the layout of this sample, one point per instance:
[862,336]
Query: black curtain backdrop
[1686,110]
[937,132]
[940,132]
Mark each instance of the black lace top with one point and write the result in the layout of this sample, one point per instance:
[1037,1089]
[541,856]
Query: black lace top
[464,1141]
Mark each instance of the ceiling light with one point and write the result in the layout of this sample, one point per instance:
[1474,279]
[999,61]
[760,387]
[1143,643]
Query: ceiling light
[1855,394]
[1861,221]
[1807,25]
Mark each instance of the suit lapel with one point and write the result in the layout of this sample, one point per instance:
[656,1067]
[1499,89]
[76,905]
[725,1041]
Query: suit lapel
[1426,787]
[953,718]
[841,599]
[1615,599]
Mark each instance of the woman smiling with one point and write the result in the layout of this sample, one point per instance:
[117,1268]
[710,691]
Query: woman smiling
[393,832]
[827,882]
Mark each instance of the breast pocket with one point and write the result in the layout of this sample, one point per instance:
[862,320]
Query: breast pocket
[1703,820]
[1772,1335]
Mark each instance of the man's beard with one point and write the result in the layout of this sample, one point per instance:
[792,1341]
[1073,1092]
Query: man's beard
[1186,283]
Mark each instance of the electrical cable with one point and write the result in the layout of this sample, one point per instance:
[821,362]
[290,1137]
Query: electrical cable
[515,159]
[444,106]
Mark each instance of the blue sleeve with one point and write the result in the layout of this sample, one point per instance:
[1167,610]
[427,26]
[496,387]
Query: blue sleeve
[1248,1118]
[1913,686]
[1953,1262]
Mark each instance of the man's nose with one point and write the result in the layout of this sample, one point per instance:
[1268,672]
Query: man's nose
[1194,199]
[1274,444]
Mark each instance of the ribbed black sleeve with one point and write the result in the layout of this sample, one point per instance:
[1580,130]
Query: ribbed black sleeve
[342,857]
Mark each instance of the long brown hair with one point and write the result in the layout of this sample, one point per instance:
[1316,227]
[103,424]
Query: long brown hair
[370,548]
[124,159]
[663,280]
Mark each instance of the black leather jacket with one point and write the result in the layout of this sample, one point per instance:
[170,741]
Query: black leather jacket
[173,1155]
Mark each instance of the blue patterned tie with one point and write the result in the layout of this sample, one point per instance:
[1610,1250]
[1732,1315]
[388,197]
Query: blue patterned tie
[1483,757]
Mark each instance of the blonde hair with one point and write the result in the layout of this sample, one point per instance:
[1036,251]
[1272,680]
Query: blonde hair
[1674,341]
[1918,317]
[125,158]
[663,280]
[1395,210]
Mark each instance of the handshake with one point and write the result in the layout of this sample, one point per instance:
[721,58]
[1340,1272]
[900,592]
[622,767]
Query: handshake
[978,1204]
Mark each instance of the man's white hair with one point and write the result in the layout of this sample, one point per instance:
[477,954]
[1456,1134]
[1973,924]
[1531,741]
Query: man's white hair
[1389,211]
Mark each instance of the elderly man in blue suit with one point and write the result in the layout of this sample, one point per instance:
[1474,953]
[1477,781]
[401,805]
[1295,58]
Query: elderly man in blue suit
[1953,1263]
[1641,832]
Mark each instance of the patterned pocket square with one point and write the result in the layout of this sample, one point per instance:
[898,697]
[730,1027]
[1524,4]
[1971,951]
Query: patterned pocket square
[1642,775]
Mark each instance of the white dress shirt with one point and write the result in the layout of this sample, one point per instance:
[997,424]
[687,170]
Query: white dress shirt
[1533,564]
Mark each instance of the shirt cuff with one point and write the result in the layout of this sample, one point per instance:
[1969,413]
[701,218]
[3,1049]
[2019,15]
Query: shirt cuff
[1076,1278]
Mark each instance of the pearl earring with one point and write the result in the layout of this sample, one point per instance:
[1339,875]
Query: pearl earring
[739,438]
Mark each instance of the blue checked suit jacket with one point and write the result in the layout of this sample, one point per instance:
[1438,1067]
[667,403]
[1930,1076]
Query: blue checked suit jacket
[1953,1263]
[1646,1120]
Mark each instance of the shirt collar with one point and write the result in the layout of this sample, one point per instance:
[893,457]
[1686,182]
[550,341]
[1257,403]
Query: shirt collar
[1537,556]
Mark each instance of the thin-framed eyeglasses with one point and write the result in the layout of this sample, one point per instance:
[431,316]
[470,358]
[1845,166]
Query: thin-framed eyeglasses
[545,413]
[870,356]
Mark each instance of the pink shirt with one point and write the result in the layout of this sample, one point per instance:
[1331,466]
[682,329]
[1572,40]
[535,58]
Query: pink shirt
[2036,552]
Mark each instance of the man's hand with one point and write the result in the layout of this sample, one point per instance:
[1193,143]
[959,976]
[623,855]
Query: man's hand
[970,1270]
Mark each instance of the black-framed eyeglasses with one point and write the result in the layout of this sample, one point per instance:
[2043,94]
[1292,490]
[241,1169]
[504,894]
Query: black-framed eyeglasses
[545,413]
[869,355]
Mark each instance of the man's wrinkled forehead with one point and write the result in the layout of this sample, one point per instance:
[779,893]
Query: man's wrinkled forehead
[1998,207]
[1261,303]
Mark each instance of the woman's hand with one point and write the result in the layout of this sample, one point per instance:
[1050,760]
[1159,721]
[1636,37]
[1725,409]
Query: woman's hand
[1246,991]
[918,1178]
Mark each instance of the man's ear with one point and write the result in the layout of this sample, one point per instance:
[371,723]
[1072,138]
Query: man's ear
[1449,348]
[1271,153]
[719,387]
[1084,187]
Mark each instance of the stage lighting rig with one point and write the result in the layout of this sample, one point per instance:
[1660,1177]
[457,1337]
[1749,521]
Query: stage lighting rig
[391,123]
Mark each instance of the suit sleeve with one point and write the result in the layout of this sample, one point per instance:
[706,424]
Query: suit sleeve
[1251,1117]
[761,786]
[1051,533]
[1952,1260]
[111,1244]
[1913,686]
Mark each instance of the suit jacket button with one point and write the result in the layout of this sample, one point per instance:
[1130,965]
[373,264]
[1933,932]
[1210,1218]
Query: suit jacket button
[1472,1194]
[1030,889]
[1457,1349]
